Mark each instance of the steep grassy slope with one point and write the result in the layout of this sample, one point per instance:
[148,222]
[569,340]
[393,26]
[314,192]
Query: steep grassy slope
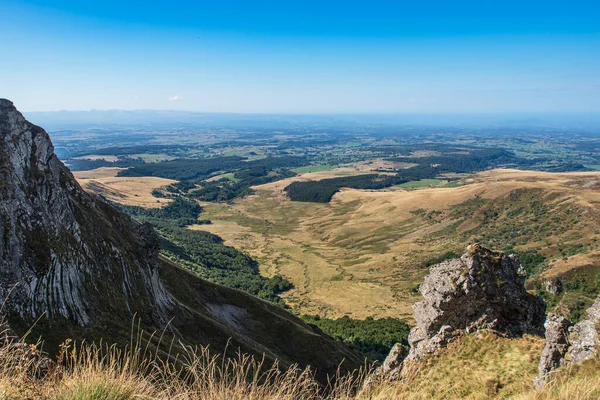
[214,314]
[486,366]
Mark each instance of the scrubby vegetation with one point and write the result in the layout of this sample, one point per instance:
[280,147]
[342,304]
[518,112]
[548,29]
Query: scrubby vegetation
[206,255]
[184,169]
[227,189]
[322,191]
[475,160]
[579,287]
[180,212]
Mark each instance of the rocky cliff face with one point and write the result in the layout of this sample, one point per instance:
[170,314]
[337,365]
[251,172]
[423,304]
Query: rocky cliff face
[87,269]
[61,251]
[481,290]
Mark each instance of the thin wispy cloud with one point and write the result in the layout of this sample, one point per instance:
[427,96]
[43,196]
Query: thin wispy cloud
[175,98]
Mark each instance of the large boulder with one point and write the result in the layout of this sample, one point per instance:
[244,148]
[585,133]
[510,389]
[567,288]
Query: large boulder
[484,289]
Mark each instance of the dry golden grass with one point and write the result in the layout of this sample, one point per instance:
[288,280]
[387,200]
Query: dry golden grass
[98,157]
[560,266]
[574,383]
[102,172]
[100,372]
[479,366]
[131,191]
[476,366]
[359,255]
[486,366]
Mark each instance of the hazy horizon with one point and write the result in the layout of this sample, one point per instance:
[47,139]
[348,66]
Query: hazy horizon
[168,119]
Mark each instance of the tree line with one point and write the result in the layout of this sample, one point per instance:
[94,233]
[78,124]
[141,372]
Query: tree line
[374,338]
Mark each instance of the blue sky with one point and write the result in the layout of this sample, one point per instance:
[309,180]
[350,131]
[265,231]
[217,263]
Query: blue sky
[302,56]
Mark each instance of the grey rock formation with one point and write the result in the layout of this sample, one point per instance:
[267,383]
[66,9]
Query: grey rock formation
[393,361]
[81,269]
[553,286]
[583,336]
[389,370]
[481,290]
[50,260]
[567,343]
[557,345]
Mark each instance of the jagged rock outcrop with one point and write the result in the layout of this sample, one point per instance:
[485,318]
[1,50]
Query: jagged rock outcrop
[553,286]
[389,370]
[583,336]
[567,343]
[81,269]
[397,355]
[483,289]
[557,345]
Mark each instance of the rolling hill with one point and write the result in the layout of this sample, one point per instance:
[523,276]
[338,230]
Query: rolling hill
[364,253]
